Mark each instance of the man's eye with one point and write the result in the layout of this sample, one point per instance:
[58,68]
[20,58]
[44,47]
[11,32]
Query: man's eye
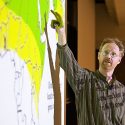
[106,52]
[114,54]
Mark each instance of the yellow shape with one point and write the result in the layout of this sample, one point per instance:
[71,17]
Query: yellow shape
[16,35]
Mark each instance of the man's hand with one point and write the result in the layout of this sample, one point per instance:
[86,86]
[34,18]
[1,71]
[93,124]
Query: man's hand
[59,26]
[58,22]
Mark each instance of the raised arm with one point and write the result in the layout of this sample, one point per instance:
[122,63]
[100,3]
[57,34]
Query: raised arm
[74,73]
[59,26]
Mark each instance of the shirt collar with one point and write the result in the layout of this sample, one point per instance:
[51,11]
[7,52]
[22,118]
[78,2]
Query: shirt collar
[104,78]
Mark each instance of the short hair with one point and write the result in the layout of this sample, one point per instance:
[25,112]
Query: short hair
[116,41]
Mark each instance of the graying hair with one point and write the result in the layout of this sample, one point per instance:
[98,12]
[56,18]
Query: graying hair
[116,41]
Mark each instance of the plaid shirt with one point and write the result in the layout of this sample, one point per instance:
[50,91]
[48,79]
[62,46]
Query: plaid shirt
[97,102]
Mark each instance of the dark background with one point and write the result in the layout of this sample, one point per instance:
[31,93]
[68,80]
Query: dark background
[72,39]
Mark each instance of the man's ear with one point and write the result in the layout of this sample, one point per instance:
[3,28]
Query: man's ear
[119,60]
[98,54]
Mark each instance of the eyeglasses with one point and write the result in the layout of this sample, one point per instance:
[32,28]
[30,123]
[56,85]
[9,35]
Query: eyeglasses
[112,54]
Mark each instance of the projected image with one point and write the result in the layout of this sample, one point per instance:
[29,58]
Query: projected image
[26,86]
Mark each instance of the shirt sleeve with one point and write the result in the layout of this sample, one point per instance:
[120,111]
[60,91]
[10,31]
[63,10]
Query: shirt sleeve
[75,75]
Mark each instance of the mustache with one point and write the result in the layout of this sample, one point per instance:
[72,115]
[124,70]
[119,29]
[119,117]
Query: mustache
[107,60]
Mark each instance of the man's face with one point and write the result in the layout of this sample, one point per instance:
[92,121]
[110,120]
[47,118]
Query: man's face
[109,56]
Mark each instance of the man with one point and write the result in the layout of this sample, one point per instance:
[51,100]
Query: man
[100,98]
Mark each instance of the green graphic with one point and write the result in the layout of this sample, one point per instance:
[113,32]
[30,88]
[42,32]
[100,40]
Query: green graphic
[22,22]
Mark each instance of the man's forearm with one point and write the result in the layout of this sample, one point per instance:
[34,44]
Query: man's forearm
[61,36]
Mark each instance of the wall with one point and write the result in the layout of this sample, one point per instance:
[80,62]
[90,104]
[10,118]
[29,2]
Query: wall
[86,33]
[106,26]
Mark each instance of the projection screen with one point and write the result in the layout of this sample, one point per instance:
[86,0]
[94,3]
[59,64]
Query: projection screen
[31,81]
